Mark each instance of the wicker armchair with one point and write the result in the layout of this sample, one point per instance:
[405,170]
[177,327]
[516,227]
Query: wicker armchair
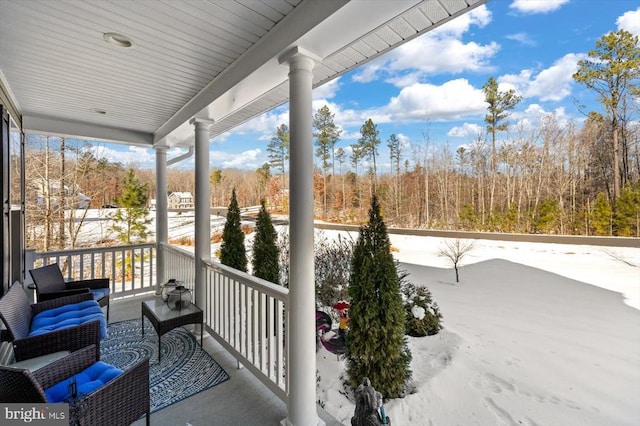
[16,313]
[120,401]
[50,284]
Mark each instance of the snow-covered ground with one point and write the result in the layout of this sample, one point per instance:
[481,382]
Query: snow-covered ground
[534,334]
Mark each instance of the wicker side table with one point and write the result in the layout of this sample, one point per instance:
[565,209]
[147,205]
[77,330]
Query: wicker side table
[164,319]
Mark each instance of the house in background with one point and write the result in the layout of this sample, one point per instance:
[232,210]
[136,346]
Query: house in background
[180,200]
[51,190]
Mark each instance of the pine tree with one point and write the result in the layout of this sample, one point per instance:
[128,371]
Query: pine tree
[500,103]
[130,221]
[376,344]
[601,215]
[368,143]
[547,215]
[278,151]
[627,216]
[612,70]
[327,135]
[232,250]
[265,260]
[264,174]
[395,155]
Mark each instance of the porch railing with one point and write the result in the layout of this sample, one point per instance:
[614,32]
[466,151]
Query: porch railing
[245,314]
[131,269]
[248,317]
[179,264]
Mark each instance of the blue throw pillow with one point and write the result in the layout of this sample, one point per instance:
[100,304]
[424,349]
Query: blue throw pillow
[86,382]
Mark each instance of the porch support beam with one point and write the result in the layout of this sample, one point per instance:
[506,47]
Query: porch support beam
[162,227]
[301,374]
[202,208]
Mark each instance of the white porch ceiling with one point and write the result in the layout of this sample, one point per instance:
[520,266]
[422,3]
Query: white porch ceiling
[191,58]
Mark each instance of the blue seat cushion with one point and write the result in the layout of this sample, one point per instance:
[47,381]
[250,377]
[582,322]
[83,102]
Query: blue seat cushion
[99,293]
[86,381]
[69,316]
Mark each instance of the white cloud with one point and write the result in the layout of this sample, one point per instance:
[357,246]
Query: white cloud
[537,6]
[419,101]
[405,141]
[348,152]
[522,38]
[433,55]
[342,116]
[327,90]
[467,130]
[517,82]
[350,136]
[369,72]
[452,100]
[554,83]
[316,104]
[130,155]
[630,21]
[403,80]
[439,51]
[531,118]
[264,124]
[551,84]
[250,159]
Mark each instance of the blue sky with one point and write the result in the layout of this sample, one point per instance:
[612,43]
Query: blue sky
[431,87]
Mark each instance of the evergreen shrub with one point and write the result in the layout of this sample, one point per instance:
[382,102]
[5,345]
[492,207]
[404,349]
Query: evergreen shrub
[423,314]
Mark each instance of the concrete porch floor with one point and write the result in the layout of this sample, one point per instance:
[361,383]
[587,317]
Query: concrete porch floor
[241,400]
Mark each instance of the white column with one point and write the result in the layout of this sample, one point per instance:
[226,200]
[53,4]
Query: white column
[202,208]
[162,228]
[301,372]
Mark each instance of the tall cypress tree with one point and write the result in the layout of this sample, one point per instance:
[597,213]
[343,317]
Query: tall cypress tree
[376,344]
[265,249]
[232,250]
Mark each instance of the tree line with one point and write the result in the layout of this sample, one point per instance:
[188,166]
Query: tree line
[554,178]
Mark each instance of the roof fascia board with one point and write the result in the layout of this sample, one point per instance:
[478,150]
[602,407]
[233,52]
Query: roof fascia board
[68,128]
[302,19]
[354,20]
[472,4]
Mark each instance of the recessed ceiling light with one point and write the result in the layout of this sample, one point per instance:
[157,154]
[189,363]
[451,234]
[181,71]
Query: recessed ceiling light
[99,111]
[117,39]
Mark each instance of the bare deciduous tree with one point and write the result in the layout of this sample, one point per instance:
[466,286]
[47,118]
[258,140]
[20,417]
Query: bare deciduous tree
[455,250]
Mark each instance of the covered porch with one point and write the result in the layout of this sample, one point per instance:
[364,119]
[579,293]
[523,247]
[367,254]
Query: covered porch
[164,75]
[243,399]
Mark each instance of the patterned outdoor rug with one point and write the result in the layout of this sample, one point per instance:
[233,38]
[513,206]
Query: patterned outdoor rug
[185,368]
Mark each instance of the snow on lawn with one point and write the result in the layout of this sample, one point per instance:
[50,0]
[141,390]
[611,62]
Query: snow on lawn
[97,225]
[535,334]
